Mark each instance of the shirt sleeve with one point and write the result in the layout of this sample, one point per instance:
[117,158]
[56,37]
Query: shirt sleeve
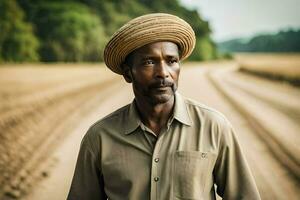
[232,175]
[87,183]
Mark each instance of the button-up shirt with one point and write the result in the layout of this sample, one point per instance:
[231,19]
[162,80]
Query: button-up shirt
[193,157]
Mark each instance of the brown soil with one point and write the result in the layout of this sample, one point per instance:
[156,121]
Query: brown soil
[45,111]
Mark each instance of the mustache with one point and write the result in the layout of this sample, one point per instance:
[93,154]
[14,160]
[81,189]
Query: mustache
[161,83]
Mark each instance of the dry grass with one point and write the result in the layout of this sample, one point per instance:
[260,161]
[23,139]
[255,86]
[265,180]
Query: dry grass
[285,67]
[283,64]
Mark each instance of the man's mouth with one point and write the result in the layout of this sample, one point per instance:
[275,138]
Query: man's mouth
[161,86]
[161,89]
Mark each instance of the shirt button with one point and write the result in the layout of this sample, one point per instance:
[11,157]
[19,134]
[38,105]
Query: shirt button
[156,179]
[203,155]
[156,159]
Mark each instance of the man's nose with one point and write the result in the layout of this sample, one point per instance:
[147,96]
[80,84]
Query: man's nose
[162,70]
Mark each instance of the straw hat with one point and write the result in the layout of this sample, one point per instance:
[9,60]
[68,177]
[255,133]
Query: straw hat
[148,29]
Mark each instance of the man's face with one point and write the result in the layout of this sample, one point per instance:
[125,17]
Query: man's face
[154,70]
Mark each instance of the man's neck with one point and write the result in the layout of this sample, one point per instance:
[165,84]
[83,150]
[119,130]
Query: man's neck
[155,116]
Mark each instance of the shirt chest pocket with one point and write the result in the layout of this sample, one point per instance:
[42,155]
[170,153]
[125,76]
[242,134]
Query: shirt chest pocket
[190,171]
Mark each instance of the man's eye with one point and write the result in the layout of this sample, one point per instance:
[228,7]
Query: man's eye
[173,61]
[149,62]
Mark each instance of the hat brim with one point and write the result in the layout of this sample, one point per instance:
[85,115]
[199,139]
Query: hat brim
[145,30]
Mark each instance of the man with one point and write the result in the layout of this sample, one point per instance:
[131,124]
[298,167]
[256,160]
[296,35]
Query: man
[162,145]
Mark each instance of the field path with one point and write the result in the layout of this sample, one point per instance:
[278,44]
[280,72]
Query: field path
[273,179]
[57,185]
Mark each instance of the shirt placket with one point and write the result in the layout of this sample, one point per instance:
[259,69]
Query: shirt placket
[155,166]
[155,175]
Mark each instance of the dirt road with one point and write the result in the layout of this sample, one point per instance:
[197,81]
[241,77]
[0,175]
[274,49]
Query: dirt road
[274,179]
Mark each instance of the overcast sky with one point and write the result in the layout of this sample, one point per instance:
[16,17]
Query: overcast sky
[238,18]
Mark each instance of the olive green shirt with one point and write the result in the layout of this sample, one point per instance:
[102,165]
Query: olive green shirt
[120,158]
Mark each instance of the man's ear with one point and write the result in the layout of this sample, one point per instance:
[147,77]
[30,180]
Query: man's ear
[127,73]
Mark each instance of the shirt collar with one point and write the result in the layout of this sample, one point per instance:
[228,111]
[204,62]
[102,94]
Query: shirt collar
[132,120]
[181,112]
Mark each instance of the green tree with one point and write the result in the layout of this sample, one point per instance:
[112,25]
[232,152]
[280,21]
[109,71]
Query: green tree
[77,30]
[17,41]
[69,32]
[283,41]
[115,13]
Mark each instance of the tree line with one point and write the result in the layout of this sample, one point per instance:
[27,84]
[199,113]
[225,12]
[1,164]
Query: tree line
[77,30]
[283,41]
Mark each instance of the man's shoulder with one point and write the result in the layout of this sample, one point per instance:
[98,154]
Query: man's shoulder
[200,111]
[109,124]
[212,120]
[112,120]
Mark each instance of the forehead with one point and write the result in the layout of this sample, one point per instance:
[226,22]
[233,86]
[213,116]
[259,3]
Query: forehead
[157,48]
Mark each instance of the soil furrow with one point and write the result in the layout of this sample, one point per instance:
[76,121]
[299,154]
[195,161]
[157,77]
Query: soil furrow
[275,145]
